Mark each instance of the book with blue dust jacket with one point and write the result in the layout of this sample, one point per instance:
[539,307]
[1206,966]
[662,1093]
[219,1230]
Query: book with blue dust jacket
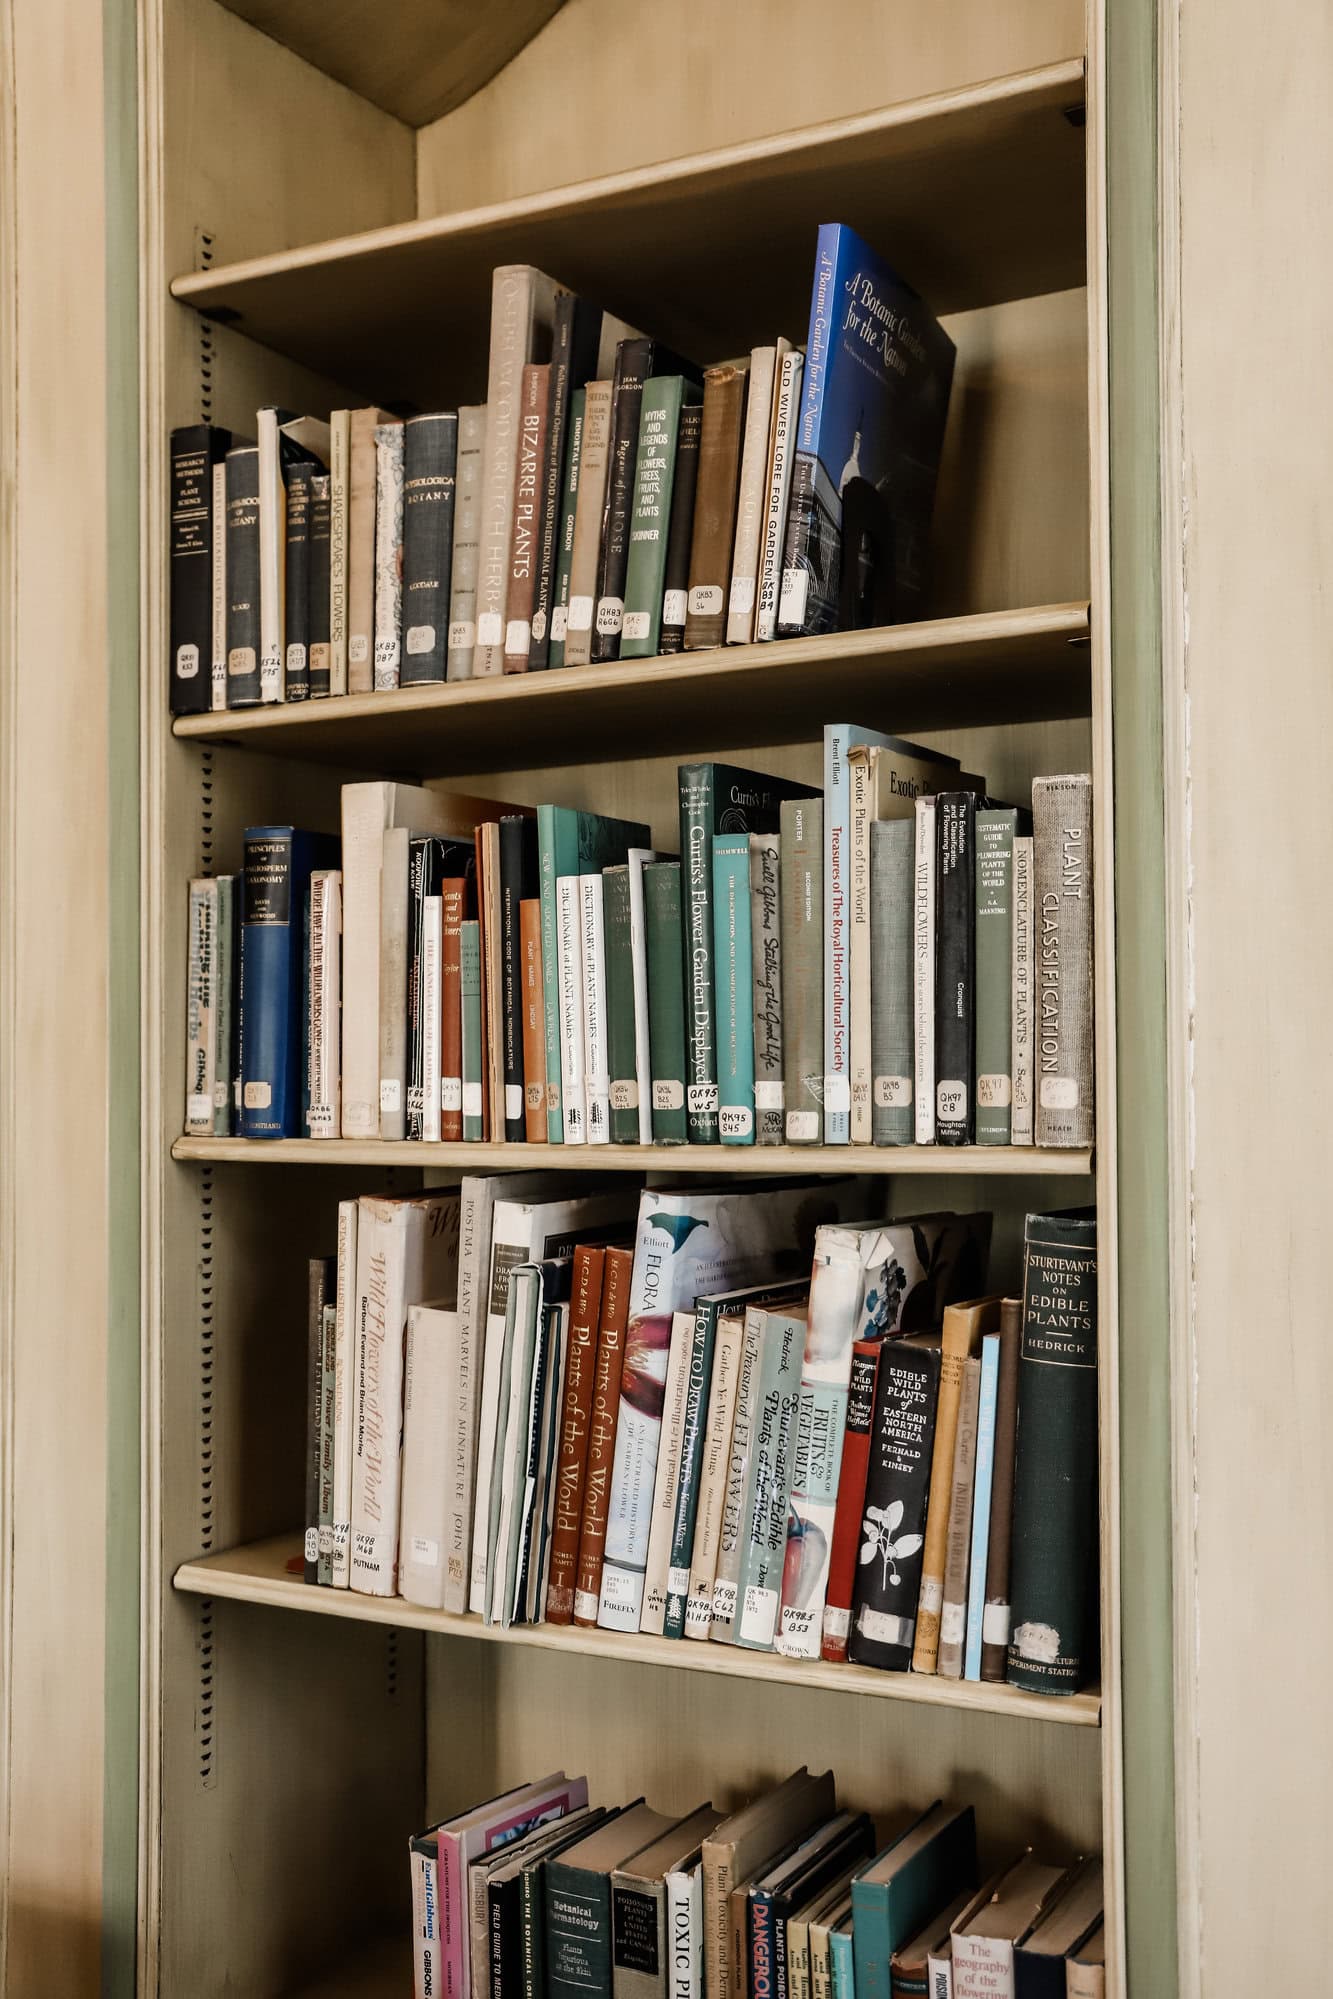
[278,865]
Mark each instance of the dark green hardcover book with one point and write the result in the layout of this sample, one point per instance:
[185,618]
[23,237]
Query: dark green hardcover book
[575,335]
[666,1000]
[430,465]
[955,967]
[680,530]
[654,482]
[474,1118]
[510,1872]
[892,866]
[714,798]
[317,605]
[996,828]
[637,358]
[564,548]
[296,580]
[618,945]
[242,572]
[1053,1564]
[532,1897]
[578,1902]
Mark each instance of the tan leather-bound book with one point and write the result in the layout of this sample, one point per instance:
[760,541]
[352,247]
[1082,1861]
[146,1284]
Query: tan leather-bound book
[594,461]
[715,507]
[614,1318]
[585,1304]
[964,1327]
[361,471]
[534,1020]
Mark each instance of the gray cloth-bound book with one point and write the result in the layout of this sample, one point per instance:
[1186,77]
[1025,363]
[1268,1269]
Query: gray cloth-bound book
[766,970]
[892,860]
[1062,906]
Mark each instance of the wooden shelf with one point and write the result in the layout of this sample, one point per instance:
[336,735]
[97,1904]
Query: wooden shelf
[259,1574]
[381,1970]
[999,666]
[1010,1162]
[975,195]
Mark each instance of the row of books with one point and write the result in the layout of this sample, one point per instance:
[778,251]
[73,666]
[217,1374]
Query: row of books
[610,500]
[896,960]
[751,1417]
[537,1894]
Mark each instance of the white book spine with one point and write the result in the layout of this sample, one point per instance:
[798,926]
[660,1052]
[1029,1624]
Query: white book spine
[394,869]
[201,999]
[751,497]
[923,970]
[460,1458]
[427,1389]
[343,1375]
[365,810]
[860,772]
[638,943]
[785,406]
[731,1534]
[652,1618]
[272,549]
[728,1342]
[510,1245]
[323,994]
[388,554]
[939,1971]
[432,943]
[511,1435]
[218,658]
[684,1913]
[596,1058]
[983,1968]
[1021,1129]
[569,973]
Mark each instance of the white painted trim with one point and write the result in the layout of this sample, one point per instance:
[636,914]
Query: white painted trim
[8,919]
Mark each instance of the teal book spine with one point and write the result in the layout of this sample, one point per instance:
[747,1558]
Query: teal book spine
[759,1587]
[564,553]
[617,945]
[996,828]
[654,480]
[666,1000]
[981,1494]
[474,1123]
[842,1963]
[733,996]
[700,1381]
[888,1914]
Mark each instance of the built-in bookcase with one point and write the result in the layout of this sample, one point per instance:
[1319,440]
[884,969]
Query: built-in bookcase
[296,1737]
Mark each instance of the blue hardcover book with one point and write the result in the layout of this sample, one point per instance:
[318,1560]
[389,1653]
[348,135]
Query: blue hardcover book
[733,997]
[278,865]
[842,1959]
[981,1491]
[875,397]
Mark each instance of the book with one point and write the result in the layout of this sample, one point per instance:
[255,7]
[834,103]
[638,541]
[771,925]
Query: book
[344,1377]
[643,1938]
[909,1967]
[1065,1925]
[594,462]
[1085,1968]
[714,798]
[664,399]
[521,1387]
[892,854]
[786,404]
[328,1363]
[362,474]
[431,863]
[955,968]
[473,1050]
[981,1497]
[1053,1578]
[406,1254]
[984,1938]
[201,999]
[495,1898]
[759,1582]
[321,1278]
[637,859]
[739,1846]
[739,1475]
[798,1930]
[395,894]
[878,372]
[429,1382]
[664,933]
[999,1533]
[242,573]
[522,312]
[680,530]
[888,1577]
[842,1960]
[571,1000]
[284,441]
[564,551]
[925,862]
[578,1901]
[622,1052]
[953,1610]
[715,507]
[849,1506]
[612,1326]
[575,1422]
[518,883]
[1021,1124]
[733,989]
[752,493]
[637,358]
[319,666]
[714,1458]
[279,861]
[340,452]
[685,1929]
[575,330]
[467,542]
[802,981]
[666,1479]
[596,1063]
[534,410]
[534,1020]
[965,1325]
[828,1854]
[933,1861]
[1062,889]
[824,1927]
[490,910]
[430,466]
[430,977]
[766,985]
[453,911]
[996,827]
[227,1006]
[323,1094]
[387,654]
[197,449]
[532,1897]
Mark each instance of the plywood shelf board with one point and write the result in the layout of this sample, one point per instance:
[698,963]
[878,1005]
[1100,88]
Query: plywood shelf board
[976,196]
[259,1574]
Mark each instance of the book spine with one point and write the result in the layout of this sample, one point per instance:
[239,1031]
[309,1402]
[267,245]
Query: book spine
[243,688]
[594,462]
[728,1342]
[923,971]
[760,1578]
[314,1414]
[534,1021]
[324,1110]
[218,531]
[388,556]
[751,493]
[575,1423]
[431,974]
[731,1534]
[766,982]
[566,364]
[394,899]
[1062,921]
[534,408]
[684,1941]
[513,289]
[958,1339]
[715,507]
[897,1493]
[760,1968]
[666,1001]
[272,548]
[491,912]
[453,908]
[421,1572]
[317,591]
[697,811]
[684,1514]
[1021,1128]
[666,1481]
[680,531]
[578,1933]
[892,844]
[621,1045]
[191,569]
[200,1006]
[474,1106]
[638,945]
[733,989]
[654,483]
[633,360]
[955,969]
[638,1436]
[995,1618]
[344,1371]
[430,467]
[836,1083]
[513,833]
[995,832]
[602,1435]
[377,1398]
[953,1611]
[786,404]
[361,477]
[550,849]
[271,998]
[802,609]
[467,543]
[981,1497]
[573,1092]
[1055,1459]
[340,452]
[850,1505]
[802,865]
[564,551]
[983,1966]
[856,1042]
[296,583]
[328,1358]
[420,875]
[596,1061]
[226,984]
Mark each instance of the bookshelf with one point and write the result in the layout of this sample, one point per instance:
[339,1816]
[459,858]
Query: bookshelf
[295,1736]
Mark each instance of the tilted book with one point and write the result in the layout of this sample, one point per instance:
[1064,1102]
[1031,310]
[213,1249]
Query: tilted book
[522,310]
[1062,910]
[644,1941]
[759,1582]
[737,1847]
[666,1480]
[578,1902]
[846,1537]
[985,1938]
[930,1863]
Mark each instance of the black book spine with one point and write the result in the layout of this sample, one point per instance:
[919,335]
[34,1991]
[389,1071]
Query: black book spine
[634,360]
[902,1439]
[322,1278]
[243,689]
[518,880]
[195,449]
[317,603]
[572,318]
[430,461]
[296,597]
[680,529]
[505,1922]
[955,968]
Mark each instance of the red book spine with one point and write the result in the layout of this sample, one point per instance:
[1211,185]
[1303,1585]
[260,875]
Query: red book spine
[602,1433]
[575,1421]
[453,897]
[851,1499]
